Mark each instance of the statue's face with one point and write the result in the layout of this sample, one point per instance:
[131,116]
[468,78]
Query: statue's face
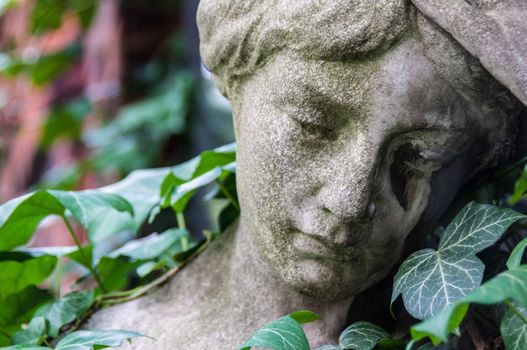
[336,162]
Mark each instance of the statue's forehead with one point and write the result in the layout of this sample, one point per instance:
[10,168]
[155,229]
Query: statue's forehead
[403,86]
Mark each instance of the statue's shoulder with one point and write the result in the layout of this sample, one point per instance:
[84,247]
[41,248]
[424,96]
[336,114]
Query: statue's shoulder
[176,313]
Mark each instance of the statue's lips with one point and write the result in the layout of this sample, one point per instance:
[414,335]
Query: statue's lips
[317,247]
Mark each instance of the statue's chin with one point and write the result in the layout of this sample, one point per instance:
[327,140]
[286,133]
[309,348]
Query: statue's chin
[321,279]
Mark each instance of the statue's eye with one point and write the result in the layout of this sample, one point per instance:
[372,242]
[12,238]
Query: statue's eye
[316,131]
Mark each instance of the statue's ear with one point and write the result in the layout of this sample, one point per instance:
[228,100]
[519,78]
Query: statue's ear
[495,32]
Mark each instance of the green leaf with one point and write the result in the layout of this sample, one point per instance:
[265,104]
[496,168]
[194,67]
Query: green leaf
[78,256]
[33,334]
[430,280]
[48,14]
[49,67]
[25,347]
[516,256]
[362,336]
[519,188]
[66,310]
[514,330]
[93,339]
[304,316]
[328,347]
[510,284]
[22,219]
[65,121]
[151,247]
[114,272]
[16,276]
[88,206]
[19,308]
[149,267]
[282,334]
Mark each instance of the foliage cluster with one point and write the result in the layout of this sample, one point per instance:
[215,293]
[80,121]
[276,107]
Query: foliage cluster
[31,318]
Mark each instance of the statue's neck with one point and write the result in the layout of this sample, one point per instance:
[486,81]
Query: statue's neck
[257,290]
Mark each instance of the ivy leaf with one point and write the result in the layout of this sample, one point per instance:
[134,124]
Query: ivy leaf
[151,247]
[362,336]
[88,206]
[33,334]
[514,330]
[79,254]
[66,310]
[510,284]
[284,333]
[16,276]
[519,188]
[114,273]
[25,347]
[430,280]
[515,259]
[18,308]
[94,339]
[328,347]
[141,190]
[22,220]
[25,217]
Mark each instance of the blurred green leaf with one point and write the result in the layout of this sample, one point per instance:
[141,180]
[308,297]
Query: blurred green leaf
[65,122]
[16,276]
[66,310]
[48,14]
[25,347]
[78,256]
[432,280]
[151,247]
[114,273]
[33,334]
[18,223]
[135,137]
[142,190]
[95,339]
[49,67]
[18,308]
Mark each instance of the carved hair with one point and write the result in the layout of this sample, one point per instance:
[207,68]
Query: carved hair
[238,36]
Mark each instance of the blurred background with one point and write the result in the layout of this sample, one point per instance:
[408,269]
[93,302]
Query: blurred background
[91,90]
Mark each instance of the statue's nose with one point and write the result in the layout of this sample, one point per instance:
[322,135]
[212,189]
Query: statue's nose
[348,183]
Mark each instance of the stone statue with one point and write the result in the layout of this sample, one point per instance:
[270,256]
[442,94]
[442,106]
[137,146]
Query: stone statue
[357,122]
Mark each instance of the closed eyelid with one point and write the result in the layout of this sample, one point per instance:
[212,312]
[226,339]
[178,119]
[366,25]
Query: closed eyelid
[305,115]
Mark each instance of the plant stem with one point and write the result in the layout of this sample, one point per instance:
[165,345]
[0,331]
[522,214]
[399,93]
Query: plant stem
[87,261]
[139,292]
[515,310]
[181,220]
[5,333]
[228,195]
[181,224]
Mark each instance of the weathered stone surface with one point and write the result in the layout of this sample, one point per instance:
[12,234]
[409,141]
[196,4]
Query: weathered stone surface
[357,123]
